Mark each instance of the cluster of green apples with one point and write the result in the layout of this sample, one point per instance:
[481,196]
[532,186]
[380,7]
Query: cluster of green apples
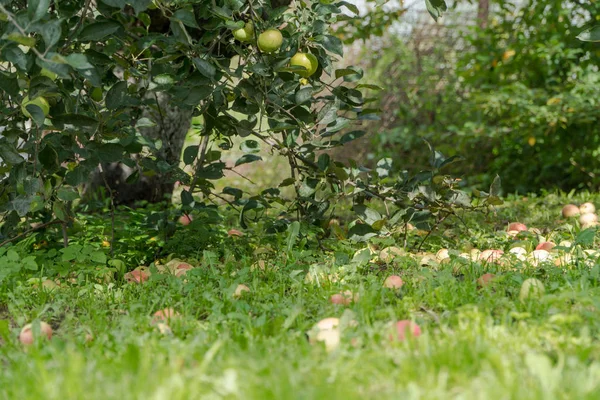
[270,41]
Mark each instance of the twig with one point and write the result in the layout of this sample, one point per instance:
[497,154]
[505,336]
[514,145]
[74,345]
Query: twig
[42,226]
[74,31]
[12,20]
[112,210]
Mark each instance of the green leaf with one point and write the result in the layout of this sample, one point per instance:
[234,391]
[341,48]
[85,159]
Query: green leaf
[247,158]
[117,96]
[37,114]
[75,122]
[384,166]
[26,41]
[67,194]
[349,6]
[140,5]
[48,157]
[236,193]
[368,215]
[9,84]
[98,257]
[303,95]
[205,67]
[21,205]
[333,45]
[78,61]
[436,8]
[51,32]
[327,114]
[187,17]
[9,154]
[350,136]
[308,187]
[585,237]
[590,35]
[107,152]
[36,9]
[496,187]
[187,199]
[190,153]
[361,233]
[99,30]
[250,146]
[293,233]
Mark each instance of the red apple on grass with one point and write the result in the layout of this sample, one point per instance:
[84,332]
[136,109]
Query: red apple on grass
[27,333]
[570,210]
[393,282]
[545,246]
[404,330]
[485,279]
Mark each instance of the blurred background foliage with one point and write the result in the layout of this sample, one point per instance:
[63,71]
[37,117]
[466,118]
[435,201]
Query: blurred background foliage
[505,84]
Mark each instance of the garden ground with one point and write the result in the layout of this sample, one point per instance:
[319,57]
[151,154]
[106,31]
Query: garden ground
[476,343]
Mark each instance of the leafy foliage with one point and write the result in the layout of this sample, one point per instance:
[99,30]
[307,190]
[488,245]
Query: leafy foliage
[517,101]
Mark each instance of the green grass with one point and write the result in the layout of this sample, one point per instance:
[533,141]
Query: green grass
[476,343]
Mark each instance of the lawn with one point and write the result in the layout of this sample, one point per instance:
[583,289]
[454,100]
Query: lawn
[476,342]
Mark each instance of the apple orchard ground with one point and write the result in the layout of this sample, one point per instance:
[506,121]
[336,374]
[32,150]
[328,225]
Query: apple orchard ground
[476,343]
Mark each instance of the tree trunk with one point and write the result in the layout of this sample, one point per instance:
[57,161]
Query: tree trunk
[172,125]
[483,12]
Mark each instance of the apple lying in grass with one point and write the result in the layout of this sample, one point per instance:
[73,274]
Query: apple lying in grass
[393,282]
[185,219]
[442,254]
[588,220]
[326,331]
[485,279]
[345,298]
[388,254]
[531,288]
[165,315]
[404,330]
[27,333]
[587,208]
[516,227]
[570,210]
[138,275]
[490,256]
[240,290]
[235,233]
[545,246]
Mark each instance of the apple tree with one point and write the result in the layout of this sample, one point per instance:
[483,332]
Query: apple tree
[102,92]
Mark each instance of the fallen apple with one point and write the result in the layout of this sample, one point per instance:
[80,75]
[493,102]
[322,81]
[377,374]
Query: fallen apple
[345,298]
[405,329]
[588,219]
[545,246]
[587,208]
[165,315]
[27,333]
[239,291]
[138,275]
[442,254]
[490,256]
[570,210]
[235,232]
[531,288]
[388,254]
[516,226]
[393,282]
[485,279]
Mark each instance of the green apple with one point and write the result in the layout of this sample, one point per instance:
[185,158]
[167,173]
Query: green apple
[270,41]
[245,34]
[38,101]
[531,288]
[306,60]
